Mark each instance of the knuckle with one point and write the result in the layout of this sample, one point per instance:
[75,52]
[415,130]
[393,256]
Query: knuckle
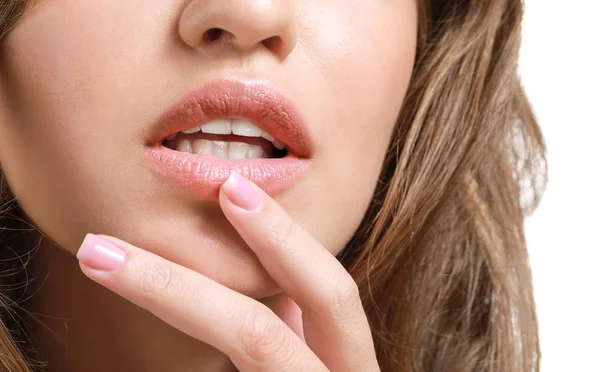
[262,337]
[156,281]
[345,298]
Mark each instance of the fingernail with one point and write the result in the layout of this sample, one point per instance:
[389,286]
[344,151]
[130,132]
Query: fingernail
[100,254]
[241,193]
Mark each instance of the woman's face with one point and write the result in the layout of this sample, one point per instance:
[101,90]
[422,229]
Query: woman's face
[84,83]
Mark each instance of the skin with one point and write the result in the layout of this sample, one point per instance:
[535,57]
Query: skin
[80,84]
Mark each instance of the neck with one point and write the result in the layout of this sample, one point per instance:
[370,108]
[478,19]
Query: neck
[84,327]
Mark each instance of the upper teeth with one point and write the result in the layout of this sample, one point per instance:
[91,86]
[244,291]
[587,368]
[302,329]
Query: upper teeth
[240,127]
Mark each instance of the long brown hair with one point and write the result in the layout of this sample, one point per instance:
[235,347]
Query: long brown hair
[440,258]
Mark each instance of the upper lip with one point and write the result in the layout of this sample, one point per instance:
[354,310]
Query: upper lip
[255,100]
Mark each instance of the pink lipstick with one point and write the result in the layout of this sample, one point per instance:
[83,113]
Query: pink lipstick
[251,100]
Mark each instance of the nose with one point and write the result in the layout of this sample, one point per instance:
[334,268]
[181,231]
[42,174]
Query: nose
[242,24]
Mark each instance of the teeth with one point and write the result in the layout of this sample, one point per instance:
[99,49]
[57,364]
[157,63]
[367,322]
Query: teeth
[184,146]
[217,127]
[246,128]
[238,150]
[203,147]
[267,136]
[172,136]
[240,127]
[255,152]
[191,130]
[220,149]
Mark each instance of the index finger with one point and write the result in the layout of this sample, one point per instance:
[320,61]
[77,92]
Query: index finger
[336,327]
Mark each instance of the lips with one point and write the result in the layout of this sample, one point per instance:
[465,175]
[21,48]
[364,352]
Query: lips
[257,101]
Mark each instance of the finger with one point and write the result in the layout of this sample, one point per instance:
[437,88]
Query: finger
[288,311]
[335,325]
[253,337]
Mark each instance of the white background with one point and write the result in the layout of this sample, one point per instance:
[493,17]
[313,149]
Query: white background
[560,68]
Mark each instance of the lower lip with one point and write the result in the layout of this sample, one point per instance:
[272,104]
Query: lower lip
[202,176]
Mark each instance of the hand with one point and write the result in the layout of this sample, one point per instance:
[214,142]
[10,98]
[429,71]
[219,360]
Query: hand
[319,323]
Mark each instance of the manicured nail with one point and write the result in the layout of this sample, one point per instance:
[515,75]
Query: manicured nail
[100,254]
[241,193]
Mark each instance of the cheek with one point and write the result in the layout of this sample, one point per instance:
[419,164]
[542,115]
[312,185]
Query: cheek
[367,71]
[369,68]
[62,119]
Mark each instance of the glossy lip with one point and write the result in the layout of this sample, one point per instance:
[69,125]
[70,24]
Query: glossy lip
[255,100]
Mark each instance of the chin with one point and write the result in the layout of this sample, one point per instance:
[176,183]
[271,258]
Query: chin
[213,248]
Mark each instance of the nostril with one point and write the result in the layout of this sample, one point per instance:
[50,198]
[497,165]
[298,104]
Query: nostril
[213,34]
[273,43]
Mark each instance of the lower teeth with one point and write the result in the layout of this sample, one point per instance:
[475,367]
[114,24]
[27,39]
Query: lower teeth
[221,149]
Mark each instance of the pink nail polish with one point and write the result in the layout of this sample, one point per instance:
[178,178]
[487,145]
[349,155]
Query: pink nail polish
[239,190]
[100,254]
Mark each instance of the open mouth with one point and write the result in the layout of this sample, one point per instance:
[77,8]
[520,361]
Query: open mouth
[227,125]
[227,139]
